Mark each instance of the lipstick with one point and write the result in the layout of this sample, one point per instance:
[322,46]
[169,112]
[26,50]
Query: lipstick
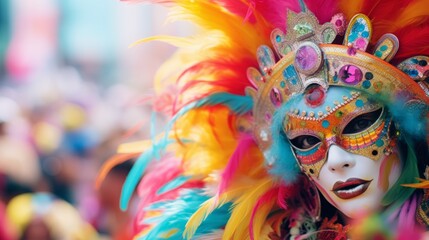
[351,188]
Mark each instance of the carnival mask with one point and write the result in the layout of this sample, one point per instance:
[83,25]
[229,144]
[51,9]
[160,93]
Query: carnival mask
[347,148]
[347,119]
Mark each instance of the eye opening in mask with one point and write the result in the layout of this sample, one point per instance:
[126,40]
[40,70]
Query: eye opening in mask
[363,121]
[305,142]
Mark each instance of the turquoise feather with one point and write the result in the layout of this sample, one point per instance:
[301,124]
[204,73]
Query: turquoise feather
[176,213]
[173,184]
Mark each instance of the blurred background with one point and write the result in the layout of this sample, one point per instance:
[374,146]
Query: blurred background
[70,90]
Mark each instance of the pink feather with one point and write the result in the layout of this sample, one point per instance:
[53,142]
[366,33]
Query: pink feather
[157,175]
[274,11]
[264,199]
[284,193]
[323,9]
[234,162]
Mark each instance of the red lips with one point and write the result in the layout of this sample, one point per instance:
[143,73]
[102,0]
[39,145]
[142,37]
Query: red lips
[351,188]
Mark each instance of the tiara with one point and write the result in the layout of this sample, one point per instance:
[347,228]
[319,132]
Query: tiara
[309,63]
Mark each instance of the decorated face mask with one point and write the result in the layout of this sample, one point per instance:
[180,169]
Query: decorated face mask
[346,118]
[326,85]
[345,148]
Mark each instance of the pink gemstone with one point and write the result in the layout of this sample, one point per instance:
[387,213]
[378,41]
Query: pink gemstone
[361,43]
[276,97]
[315,95]
[339,22]
[267,117]
[350,74]
[306,58]
[351,50]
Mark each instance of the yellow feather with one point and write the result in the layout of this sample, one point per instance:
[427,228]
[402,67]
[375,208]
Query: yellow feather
[221,35]
[238,223]
[424,183]
[208,207]
[350,8]
[202,151]
[175,41]
[243,183]
[134,147]
[185,57]
[260,226]
[142,146]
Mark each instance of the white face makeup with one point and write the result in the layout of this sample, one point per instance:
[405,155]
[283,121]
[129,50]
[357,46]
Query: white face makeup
[347,151]
[355,184]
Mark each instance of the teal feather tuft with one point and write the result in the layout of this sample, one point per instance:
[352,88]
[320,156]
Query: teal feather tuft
[137,171]
[175,214]
[236,103]
[134,177]
[173,184]
[280,154]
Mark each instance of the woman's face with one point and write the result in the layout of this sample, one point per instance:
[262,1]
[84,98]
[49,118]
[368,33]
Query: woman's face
[355,184]
[344,145]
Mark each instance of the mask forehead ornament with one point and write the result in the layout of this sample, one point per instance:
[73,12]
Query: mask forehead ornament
[308,64]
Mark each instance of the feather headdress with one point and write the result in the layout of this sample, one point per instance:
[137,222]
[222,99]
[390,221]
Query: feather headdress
[208,155]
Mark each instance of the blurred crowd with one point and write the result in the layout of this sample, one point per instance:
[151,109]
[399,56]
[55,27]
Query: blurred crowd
[70,90]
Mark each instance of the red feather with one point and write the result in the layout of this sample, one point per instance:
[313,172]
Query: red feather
[412,42]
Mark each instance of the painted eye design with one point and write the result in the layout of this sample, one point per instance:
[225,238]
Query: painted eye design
[305,141]
[362,122]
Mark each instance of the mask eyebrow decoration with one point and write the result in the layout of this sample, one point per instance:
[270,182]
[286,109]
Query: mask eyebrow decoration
[362,122]
[360,131]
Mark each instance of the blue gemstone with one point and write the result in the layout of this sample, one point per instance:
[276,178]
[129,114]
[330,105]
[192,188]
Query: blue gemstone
[365,34]
[360,27]
[325,123]
[366,84]
[278,38]
[369,75]
[352,37]
[378,54]
[383,48]
[282,84]
[359,103]
[335,78]
[413,73]
[379,143]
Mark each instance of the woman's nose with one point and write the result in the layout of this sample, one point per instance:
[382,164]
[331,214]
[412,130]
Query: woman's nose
[339,159]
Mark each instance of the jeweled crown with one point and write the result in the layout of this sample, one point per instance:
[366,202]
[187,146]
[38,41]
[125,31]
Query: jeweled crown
[309,63]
